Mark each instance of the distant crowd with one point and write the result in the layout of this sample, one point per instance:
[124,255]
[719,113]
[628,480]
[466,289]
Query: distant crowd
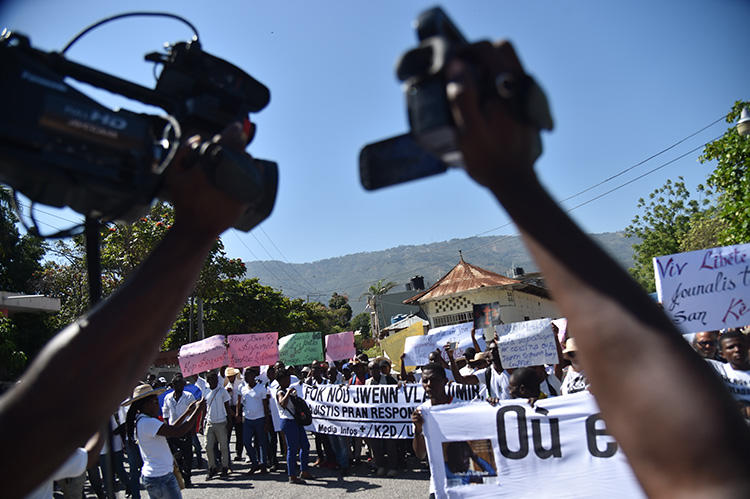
[171,428]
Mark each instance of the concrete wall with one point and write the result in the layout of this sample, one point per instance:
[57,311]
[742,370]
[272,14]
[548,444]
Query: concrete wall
[515,306]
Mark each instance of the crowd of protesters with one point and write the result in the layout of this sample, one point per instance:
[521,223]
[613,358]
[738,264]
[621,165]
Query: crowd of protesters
[156,431]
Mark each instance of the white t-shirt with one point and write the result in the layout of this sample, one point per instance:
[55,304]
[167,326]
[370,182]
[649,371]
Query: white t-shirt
[202,385]
[157,458]
[236,388]
[74,466]
[252,401]
[553,383]
[499,383]
[116,439]
[174,408]
[574,382]
[293,380]
[288,411]
[736,381]
[216,412]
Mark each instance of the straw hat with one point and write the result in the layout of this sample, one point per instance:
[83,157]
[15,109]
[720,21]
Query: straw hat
[142,391]
[231,371]
[570,346]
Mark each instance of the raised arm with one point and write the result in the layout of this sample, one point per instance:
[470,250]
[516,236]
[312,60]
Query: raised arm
[669,414]
[460,378]
[124,331]
[185,423]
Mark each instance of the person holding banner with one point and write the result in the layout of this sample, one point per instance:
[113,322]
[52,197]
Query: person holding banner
[296,439]
[668,413]
[433,382]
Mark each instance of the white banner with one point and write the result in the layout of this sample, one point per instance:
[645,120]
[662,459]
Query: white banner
[559,448]
[706,290]
[371,411]
[418,348]
[527,343]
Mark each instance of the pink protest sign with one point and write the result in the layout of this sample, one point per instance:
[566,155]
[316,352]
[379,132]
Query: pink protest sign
[257,349]
[203,355]
[340,346]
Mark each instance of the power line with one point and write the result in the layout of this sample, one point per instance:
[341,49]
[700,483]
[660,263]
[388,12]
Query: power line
[263,264]
[596,185]
[287,260]
[291,278]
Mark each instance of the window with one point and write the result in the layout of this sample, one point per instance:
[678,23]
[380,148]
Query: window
[450,319]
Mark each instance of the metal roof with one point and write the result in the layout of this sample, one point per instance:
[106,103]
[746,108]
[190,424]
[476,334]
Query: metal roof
[463,277]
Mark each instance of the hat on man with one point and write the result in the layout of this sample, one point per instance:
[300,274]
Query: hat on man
[481,356]
[231,371]
[570,346]
[142,391]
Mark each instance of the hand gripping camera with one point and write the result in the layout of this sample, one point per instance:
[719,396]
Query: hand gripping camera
[62,148]
[431,145]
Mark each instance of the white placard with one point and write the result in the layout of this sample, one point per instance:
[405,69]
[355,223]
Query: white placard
[418,348]
[705,290]
[528,343]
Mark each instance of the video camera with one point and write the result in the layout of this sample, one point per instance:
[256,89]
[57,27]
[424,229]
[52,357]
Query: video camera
[431,145]
[61,148]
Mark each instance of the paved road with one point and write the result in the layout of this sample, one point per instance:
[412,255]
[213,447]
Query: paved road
[325,484]
[360,483]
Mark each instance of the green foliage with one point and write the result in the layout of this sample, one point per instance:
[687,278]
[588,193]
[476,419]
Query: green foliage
[340,310]
[19,255]
[247,306]
[22,335]
[374,351]
[662,226]
[731,179]
[361,322]
[12,360]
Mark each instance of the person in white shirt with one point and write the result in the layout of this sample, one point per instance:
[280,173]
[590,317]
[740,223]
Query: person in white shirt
[76,464]
[253,408]
[492,380]
[218,414]
[151,434]
[574,380]
[175,405]
[233,383]
[736,372]
[296,439]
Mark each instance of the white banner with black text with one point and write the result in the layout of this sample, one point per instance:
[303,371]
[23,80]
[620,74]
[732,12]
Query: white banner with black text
[371,411]
[558,448]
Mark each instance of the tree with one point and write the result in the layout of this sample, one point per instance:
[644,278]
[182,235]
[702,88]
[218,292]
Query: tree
[374,292]
[20,256]
[123,248]
[341,310]
[730,179]
[22,335]
[663,225]
[361,323]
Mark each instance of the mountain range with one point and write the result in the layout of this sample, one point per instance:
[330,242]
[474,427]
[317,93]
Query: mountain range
[351,275]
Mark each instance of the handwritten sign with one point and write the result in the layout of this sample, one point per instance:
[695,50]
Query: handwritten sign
[418,348]
[562,329]
[203,355]
[707,289]
[486,315]
[340,346]
[257,349]
[300,348]
[393,345]
[528,343]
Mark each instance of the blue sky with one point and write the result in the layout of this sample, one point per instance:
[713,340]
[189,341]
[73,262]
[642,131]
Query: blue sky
[624,79]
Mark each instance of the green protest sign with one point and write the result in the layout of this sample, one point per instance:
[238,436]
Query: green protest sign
[300,348]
